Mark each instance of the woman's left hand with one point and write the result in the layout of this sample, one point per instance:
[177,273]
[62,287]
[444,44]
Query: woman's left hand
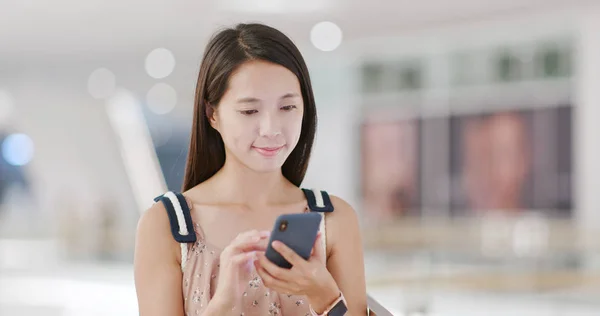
[306,277]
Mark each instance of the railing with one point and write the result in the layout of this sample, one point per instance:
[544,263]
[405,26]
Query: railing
[376,309]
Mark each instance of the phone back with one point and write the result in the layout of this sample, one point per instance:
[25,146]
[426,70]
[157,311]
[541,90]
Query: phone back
[297,231]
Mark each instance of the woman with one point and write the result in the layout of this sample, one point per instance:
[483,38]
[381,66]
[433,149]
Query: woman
[252,135]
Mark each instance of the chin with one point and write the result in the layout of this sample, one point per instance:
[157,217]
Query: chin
[266,167]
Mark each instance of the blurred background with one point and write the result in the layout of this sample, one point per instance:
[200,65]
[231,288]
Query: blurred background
[463,132]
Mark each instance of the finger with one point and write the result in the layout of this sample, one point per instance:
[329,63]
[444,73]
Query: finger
[272,282]
[286,275]
[245,247]
[253,240]
[246,258]
[252,234]
[287,253]
[241,250]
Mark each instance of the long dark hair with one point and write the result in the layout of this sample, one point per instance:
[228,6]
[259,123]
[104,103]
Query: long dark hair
[227,50]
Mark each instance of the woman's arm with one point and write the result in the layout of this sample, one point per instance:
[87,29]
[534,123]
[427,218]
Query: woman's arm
[157,268]
[345,261]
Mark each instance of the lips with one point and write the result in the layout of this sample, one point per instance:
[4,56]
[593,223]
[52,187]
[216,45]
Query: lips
[268,151]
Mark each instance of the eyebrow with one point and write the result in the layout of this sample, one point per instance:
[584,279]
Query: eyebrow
[254,100]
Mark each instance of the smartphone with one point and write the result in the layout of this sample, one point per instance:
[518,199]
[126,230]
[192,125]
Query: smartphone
[297,231]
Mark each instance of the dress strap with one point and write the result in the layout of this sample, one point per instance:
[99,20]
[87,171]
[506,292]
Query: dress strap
[319,201]
[180,221]
[180,218]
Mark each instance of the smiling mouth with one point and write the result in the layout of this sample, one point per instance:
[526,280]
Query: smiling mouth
[268,151]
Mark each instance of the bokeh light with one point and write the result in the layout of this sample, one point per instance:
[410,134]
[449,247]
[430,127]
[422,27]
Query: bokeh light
[161,98]
[17,149]
[160,63]
[326,36]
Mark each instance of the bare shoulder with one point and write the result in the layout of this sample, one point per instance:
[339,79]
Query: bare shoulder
[157,265]
[345,260]
[154,231]
[343,214]
[342,225]
[153,220]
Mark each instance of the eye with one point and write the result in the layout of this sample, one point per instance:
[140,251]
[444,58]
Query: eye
[288,107]
[248,112]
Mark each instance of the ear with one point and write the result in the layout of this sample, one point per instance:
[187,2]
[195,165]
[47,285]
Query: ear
[211,114]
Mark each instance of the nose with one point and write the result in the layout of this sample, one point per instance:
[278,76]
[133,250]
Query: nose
[269,126]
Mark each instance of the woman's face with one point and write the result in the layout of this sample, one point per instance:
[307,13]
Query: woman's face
[260,115]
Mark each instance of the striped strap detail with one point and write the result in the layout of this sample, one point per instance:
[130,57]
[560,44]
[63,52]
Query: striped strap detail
[318,201]
[180,221]
[323,236]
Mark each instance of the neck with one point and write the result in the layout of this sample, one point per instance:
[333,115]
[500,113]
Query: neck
[238,184]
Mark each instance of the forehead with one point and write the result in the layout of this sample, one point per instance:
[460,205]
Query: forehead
[263,80]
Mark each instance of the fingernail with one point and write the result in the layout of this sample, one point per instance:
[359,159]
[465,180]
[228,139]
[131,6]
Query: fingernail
[265,233]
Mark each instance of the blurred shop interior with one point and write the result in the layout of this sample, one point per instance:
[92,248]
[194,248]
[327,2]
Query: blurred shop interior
[463,132]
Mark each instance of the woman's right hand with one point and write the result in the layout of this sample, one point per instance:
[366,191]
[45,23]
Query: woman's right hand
[236,264]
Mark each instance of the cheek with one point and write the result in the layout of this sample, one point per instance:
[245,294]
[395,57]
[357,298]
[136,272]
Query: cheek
[237,133]
[293,128]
